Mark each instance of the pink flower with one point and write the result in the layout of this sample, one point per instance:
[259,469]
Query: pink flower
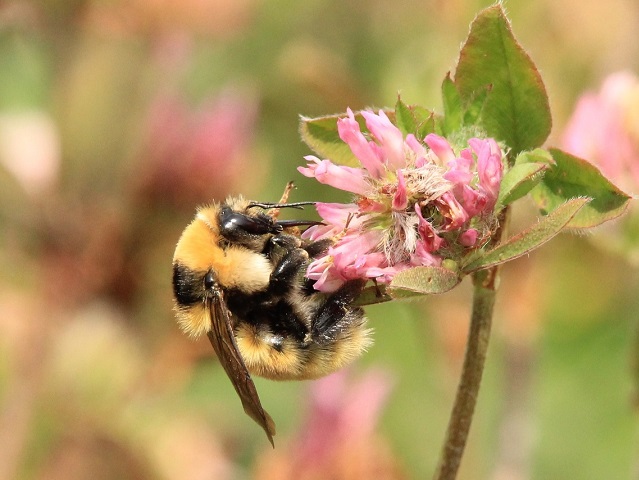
[390,138]
[422,256]
[338,438]
[367,152]
[459,169]
[453,214]
[344,178]
[334,215]
[430,241]
[469,237]
[351,258]
[604,128]
[440,147]
[415,203]
[400,199]
[489,167]
[190,156]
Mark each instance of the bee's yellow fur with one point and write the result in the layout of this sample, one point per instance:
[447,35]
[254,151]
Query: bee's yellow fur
[297,362]
[235,267]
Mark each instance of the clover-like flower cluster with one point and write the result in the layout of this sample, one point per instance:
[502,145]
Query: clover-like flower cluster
[416,203]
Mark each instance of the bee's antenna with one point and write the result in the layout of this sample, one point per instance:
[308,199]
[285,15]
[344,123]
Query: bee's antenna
[298,205]
[297,223]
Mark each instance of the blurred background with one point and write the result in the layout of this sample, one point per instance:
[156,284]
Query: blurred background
[118,117]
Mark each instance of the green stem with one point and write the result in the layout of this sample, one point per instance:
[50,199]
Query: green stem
[467,392]
[485,284]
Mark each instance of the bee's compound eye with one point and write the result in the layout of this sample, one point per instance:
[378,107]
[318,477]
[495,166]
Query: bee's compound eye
[209,281]
[235,224]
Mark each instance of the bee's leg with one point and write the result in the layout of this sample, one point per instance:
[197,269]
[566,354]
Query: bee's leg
[337,313]
[289,264]
[286,272]
[320,247]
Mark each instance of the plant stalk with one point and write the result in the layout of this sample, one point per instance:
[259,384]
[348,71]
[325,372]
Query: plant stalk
[485,283]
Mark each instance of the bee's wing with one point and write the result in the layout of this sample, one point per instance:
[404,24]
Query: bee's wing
[223,341]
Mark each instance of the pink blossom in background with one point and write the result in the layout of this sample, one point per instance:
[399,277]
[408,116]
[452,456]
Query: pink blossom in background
[338,436]
[342,410]
[191,156]
[604,129]
[30,149]
[416,203]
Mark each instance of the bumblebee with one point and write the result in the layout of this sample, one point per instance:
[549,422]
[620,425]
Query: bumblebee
[238,277]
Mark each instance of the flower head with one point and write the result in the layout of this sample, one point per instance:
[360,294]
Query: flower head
[604,128]
[416,202]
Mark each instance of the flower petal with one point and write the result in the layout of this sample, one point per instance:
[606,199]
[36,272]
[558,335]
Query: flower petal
[454,214]
[469,237]
[489,166]
[415,145]
[429,238]
[350,132]
[389,137]
[423,256]
[335,216]
[400,199]
[337,213]
[338,176]
[441,148]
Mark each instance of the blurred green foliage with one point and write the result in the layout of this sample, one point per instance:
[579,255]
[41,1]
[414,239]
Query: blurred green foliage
[95,379]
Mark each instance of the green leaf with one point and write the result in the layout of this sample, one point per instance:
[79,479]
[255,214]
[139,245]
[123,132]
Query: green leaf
[423,281]
[531,238]
[516,111]
[372,295]
[453,112]
[572,177]
[475,106]
[321,135]
[520,180]
[538,155]
[427,122]
[405,118]
[414,119]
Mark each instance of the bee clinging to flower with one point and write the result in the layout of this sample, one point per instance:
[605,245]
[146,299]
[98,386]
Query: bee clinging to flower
[280,304]
[238,277]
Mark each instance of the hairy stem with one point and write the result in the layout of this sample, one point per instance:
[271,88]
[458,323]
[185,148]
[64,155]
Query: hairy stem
[466,398]
[485,284]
